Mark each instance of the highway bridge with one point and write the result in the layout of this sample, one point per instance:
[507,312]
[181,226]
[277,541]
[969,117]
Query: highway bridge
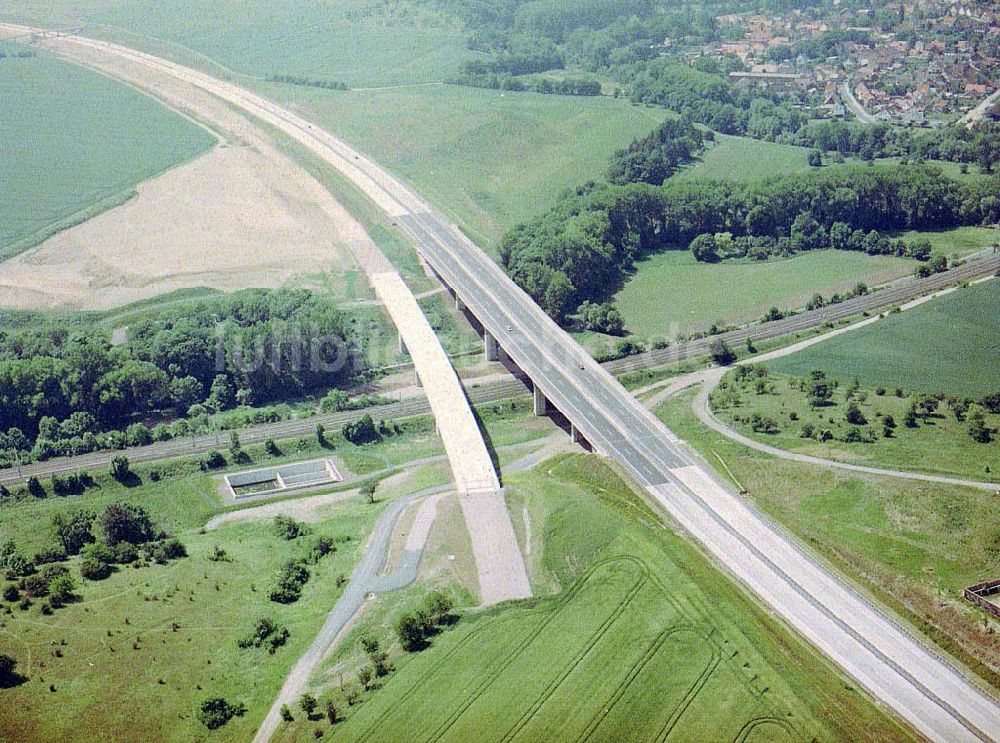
[937,699]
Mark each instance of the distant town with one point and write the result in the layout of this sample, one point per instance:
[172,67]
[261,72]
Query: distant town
[922,63]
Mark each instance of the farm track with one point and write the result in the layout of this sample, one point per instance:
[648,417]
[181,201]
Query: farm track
[515,386]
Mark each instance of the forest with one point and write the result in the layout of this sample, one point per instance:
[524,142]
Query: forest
[64,385]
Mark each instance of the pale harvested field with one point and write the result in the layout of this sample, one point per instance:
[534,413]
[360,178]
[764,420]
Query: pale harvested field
[242,215]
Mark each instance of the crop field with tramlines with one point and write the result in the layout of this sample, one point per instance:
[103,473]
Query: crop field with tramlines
[642,644]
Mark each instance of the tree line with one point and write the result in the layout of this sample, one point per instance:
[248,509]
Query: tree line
[64,386]
[543,85]
[582,249]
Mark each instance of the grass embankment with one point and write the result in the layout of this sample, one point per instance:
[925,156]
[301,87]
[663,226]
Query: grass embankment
[642,640]
[958,242]
[98,141]
[947,345]
[916,545]
[937,442]
[487,158]
[672,293]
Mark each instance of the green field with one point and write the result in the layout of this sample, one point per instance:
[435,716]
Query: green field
[339,40]
[947,345]
[743,160]
[914,545]
[960,241]
[76,143]
[672,293]
[642,642]
[939,443]
[488,159]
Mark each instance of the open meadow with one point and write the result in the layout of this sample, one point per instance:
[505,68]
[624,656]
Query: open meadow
[743,160]
[76,144]
[165,636]
[333,40]
[673,293]
[948,345]
[641,641]
[914,545]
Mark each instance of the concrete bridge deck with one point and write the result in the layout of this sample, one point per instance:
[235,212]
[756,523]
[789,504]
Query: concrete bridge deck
[470,460]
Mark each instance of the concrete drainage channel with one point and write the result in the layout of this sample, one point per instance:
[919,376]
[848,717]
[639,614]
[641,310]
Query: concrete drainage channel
[270,480]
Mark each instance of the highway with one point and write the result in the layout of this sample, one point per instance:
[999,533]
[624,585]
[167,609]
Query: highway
[884,657]
[501,390]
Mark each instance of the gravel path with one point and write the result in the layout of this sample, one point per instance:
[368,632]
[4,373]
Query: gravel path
[367,578]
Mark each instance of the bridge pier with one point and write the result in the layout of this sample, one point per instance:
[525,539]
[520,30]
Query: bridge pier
[575,436]
[403,350]
[459,304]
[541,403]
[491,347]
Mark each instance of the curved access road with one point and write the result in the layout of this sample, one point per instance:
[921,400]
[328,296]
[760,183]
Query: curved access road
[882,654]
[704,412]
[708,379]
[367,578]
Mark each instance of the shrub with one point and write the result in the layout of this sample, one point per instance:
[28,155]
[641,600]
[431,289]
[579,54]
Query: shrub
[332,713]
[121,469]
[125,553]
[321,547]
[266,633]
[411,630]
[35,487]
[18,566]
[978,430]
[286,714]
[35,586]
[61,589]
[216,712]
[213,460]
[8,676]
[288,585]
[721,353]
[50,555]
[73,530]
[854,416]
[362,431]
[288,528]
[308,704]
[125,522]
[93,569]
[138,435]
